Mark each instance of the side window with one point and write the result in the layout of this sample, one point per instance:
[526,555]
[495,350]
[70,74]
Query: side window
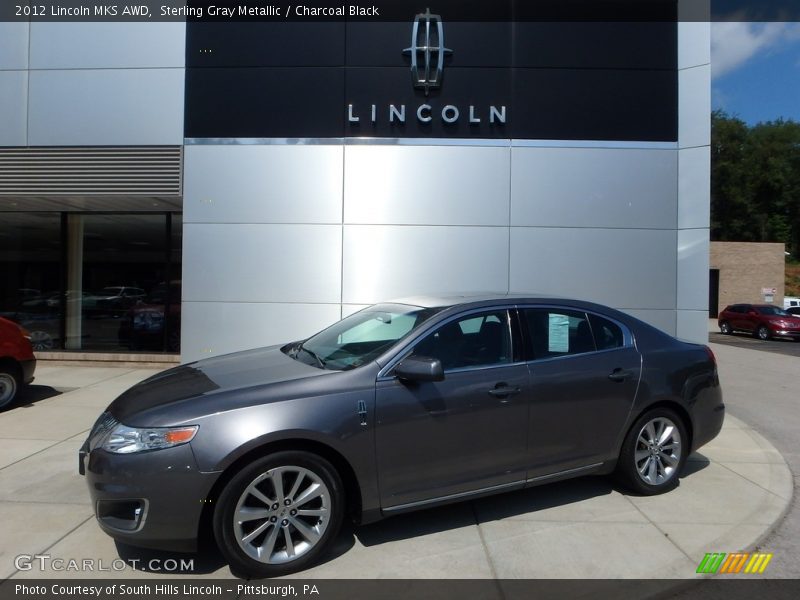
[475,341]
[554,332]
[607,334]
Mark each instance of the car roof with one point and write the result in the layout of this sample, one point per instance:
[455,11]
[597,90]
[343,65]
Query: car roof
[478,299]
[447,301]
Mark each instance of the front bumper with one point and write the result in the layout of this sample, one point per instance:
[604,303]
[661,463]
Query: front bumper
[793,334]
[152,499]
[28,367]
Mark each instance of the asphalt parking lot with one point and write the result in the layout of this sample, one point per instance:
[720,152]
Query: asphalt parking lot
[743,340]
[733,493]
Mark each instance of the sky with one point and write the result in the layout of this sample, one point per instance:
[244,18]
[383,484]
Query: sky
[755,70]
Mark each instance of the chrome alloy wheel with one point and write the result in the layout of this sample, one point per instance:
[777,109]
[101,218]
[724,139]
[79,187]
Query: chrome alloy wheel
[658,451]
[282,514]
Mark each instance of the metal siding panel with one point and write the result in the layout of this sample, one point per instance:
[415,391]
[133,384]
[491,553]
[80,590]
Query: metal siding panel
[624,268]
[426,185]
[263,184]
[692,326]
[577,187]
[384,262]
[59,45]
[694,44]
[261,263]
[665,320]
[694,107]
[13,108]
[13,46]
[214,328]
[694,187]
[693,257]
[106,107]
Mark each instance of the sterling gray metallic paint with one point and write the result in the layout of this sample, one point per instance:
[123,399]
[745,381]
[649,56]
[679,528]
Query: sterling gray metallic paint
[427,448]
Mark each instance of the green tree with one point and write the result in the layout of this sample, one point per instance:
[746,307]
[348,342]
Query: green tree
[755,181]
[730,214]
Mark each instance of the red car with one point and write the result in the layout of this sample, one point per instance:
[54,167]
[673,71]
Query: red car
[762,320]
[17,362]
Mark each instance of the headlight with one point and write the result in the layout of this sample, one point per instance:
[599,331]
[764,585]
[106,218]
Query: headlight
[127,440]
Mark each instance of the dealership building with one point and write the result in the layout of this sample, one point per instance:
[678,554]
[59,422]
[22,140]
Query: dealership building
[210,186]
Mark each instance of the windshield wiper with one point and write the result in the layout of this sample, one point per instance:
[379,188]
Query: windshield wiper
[313,355]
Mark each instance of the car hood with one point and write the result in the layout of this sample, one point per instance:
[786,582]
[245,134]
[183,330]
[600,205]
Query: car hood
[210,377]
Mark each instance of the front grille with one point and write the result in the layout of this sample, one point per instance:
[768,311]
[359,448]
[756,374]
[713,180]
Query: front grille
[101,428]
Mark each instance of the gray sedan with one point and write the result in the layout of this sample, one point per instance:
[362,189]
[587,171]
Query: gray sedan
[401,406]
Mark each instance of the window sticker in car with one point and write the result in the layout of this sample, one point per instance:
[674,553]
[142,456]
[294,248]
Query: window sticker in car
[558,333]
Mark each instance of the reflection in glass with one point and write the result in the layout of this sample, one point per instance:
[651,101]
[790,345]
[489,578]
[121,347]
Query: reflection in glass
[30,272]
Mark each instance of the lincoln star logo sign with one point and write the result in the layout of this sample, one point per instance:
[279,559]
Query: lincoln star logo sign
[427,51]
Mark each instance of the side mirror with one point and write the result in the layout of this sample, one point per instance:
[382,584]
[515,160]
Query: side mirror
[419,369]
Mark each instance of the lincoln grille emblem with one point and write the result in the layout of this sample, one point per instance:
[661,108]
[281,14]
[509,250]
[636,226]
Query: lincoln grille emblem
[427,51]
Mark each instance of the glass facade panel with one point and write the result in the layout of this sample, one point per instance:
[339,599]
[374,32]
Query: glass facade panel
[30,274]
[96,282]
[124,262]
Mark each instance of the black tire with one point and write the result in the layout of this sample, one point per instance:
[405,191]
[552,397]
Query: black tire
[762,333]
[9,385]
[636,454]
[725,328]
[277,519]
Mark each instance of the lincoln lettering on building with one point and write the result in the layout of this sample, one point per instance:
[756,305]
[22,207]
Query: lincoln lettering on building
[425,113]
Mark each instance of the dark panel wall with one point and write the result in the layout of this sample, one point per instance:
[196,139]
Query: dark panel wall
[557,80]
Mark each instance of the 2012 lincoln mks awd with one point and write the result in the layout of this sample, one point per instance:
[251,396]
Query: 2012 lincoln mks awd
[398,407]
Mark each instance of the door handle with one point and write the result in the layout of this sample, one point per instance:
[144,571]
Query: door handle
[619,375]
[501,390]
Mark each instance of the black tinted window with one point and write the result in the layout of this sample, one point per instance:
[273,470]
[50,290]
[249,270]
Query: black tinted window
[477,340]
[554,332]
[607,334]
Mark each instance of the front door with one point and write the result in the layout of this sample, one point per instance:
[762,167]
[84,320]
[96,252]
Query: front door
[461,434]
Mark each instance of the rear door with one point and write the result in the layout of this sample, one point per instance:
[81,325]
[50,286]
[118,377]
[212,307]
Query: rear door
[584,374]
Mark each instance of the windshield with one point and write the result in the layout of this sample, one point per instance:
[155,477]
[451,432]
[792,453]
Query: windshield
[361,337]
[772,310]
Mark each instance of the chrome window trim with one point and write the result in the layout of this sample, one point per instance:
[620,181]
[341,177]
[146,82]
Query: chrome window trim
[408,347]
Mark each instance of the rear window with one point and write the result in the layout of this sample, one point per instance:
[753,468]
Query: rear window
[607,334]
[555,332]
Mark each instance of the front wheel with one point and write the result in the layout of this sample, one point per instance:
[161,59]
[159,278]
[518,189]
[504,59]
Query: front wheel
[762,333]
[725,328]
[279,514]
[653,453]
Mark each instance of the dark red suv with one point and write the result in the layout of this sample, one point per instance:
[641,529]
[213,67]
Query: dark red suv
[762,320]
[17,362]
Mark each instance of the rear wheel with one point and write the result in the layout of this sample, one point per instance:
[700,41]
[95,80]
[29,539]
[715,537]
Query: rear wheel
[653,453]
[762,332]
[279,514]
[9,385]
[725,328]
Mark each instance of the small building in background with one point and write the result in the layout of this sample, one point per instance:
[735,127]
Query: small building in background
[746,272]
